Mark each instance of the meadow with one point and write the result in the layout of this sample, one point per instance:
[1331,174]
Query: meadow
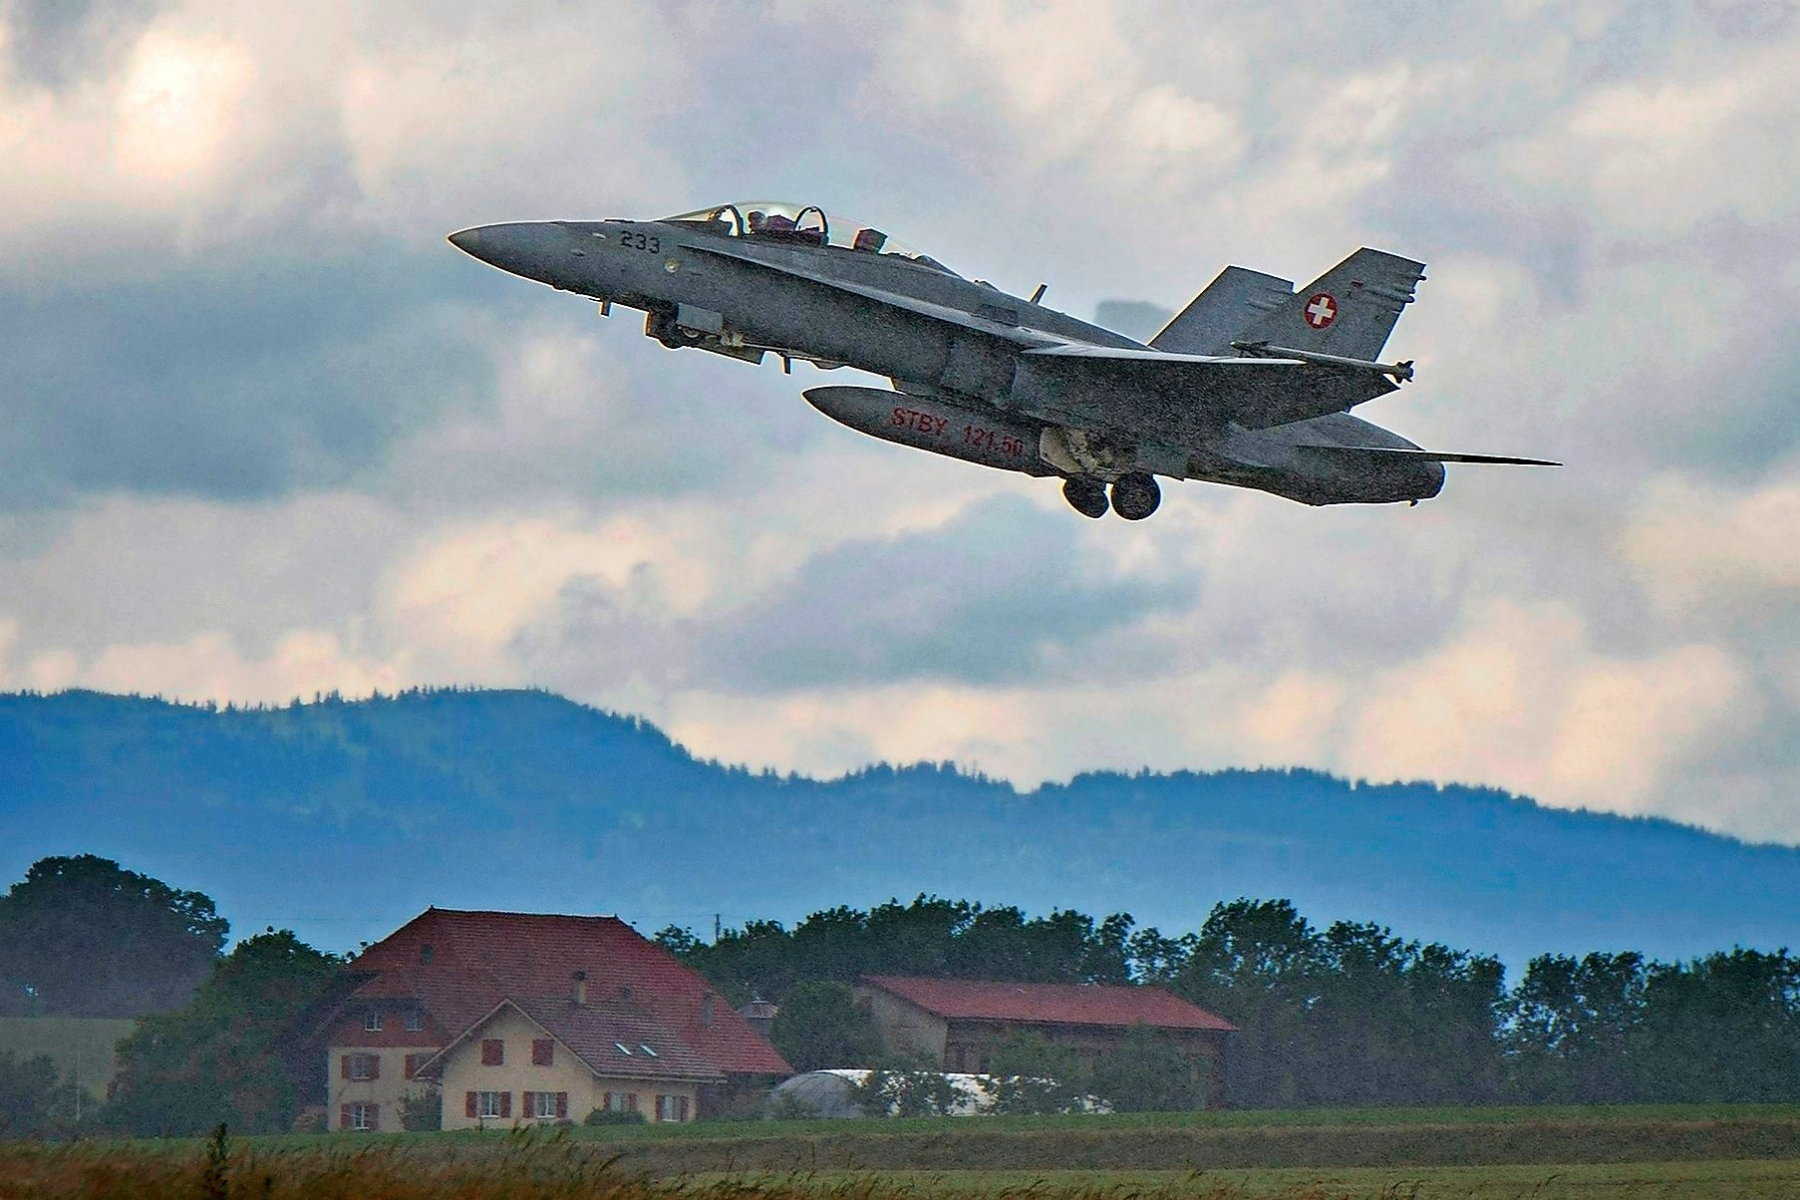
[1595,1154]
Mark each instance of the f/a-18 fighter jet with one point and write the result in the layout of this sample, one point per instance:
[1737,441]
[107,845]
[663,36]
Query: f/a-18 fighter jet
[1251,385]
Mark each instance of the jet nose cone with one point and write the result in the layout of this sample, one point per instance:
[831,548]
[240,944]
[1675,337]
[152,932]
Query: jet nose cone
[467,240]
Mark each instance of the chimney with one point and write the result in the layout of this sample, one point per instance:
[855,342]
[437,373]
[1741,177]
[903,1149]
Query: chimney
[579,990]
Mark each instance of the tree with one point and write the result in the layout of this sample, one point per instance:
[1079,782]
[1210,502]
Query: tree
[1721,1029]
[82,937]
[821,1026]
[220,1059]
[1573,1027]
[1149,1073]
[27,1093]
[1257,963]
[1032,1074]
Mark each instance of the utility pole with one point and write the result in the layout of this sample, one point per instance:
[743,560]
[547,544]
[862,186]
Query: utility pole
[715,928]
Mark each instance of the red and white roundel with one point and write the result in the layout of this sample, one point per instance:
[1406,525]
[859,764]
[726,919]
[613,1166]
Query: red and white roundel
[1321,310]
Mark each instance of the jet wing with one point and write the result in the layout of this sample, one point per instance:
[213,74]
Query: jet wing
[1180,397]
[1004,331]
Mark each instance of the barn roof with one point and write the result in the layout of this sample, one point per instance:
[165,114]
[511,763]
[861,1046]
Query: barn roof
[461,965]
[1049,1003]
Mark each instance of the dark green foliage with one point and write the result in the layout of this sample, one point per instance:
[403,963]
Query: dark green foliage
[1148,1073]
[905,1089]
[220,1059]
[422,1111]
[1351,1016]
[83,937]
[28,1094]
[1574,1028]
[609,1116]
[1031,1074]
[1722,1028]
[820,1026]
[928,936]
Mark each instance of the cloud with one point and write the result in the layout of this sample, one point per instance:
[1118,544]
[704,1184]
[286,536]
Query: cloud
[255,376]
[262,432]
[1003,593]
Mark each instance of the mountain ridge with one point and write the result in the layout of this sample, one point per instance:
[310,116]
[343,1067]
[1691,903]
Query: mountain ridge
[341,818]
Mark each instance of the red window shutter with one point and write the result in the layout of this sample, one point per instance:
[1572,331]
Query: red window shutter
[630,1101]
[493,1052]
[343,1116]
[606,1100]
[374,1116]
[374,1066]
[543,1052]
[506,1104]
[681,1109]
[562,1106]
[469,1102]
[344,1067]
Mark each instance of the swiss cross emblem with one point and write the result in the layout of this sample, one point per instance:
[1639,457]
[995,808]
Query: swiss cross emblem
[1321,310]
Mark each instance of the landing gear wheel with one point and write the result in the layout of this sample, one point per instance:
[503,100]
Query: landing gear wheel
[1135,496]
[1085,496]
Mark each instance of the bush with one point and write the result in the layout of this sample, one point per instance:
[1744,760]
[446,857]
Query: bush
[422,1112]
[906,1091]
[28,1088]
[607,1116]
[1034,1075]
[1149,1073]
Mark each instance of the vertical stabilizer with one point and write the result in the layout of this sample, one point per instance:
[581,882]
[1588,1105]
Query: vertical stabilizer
[1230,303]
[1350,310]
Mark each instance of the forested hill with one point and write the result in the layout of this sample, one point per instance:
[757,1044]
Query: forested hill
[341,819]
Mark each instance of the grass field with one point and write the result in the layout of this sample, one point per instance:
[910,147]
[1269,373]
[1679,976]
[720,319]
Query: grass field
[1748,1152]
[82,1047]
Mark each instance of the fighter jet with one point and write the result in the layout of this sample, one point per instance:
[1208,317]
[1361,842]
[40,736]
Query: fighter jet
[1250,385]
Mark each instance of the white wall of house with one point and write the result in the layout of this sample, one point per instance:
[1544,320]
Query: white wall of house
[370,1098]
[504,1092]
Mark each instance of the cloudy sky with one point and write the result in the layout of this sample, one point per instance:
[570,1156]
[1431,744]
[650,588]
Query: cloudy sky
[264,433]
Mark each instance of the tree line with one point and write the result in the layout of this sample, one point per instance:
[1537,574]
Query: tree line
[1348,1015]
[1351,1014]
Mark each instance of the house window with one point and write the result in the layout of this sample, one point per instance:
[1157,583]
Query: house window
[553,1106]
[414,1062]
[487,1104]
[493,1052]
[619,1102]
[543,1052]
[362,1066]
[415,1021]
[671,1108]
[360,1116]
[372,1021]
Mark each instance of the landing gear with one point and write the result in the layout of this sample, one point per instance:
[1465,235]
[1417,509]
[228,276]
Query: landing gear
[1135,496]
[1086,496]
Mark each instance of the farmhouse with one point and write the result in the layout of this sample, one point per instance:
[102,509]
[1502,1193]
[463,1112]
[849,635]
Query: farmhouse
[957,1023]
[511,1018]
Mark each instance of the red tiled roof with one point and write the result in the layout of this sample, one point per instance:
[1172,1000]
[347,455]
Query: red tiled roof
[1049,1003]
[638,993]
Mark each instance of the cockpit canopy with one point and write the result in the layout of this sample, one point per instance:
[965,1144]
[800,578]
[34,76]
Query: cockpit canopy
[801,224]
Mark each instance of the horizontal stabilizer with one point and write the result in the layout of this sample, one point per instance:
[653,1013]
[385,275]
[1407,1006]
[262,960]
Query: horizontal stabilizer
[1434,456]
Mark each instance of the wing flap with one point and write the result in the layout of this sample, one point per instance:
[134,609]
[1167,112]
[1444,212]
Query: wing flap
[1183,397]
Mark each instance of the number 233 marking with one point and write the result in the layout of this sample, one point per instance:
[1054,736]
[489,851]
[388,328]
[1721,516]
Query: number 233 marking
[640,241]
